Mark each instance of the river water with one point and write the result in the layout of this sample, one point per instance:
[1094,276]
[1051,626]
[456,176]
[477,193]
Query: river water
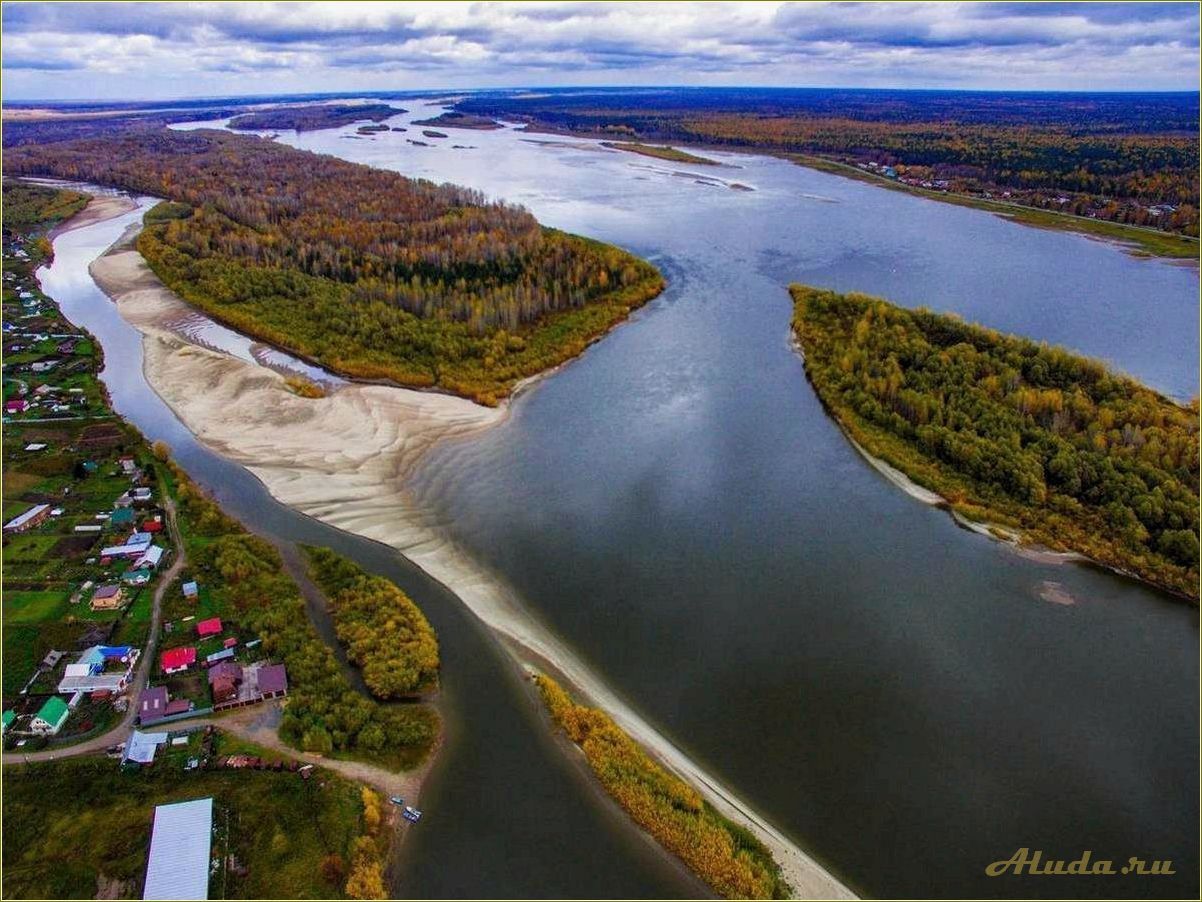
[898,695]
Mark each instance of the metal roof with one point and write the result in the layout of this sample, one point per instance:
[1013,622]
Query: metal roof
[178,867]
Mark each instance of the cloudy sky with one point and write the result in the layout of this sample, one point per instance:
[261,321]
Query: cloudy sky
[158,50]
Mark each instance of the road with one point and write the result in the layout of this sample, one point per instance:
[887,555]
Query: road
[141,675]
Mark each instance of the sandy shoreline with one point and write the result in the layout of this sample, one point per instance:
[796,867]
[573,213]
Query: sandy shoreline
[99,208]
[343,459]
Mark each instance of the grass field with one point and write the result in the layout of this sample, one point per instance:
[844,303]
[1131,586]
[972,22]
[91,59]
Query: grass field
[70,824]
[34,606]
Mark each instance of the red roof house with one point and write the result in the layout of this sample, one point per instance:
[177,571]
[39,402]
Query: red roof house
[177,659]
[152,526]
[210,627]
[230,642]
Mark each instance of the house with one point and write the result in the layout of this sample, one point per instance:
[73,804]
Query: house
[43,366]
[224,690]
[100,668]
[142,494]
[178,659]
[106,598]
[150,559]
[152,704]
[152,526]
[180,848]
[135,546]
[135,577]
[224,680]
[51,716]
[123,653]
[7,721]
[210,627]
[128,464]
[230,670]
[191,590]
[16,405]
[178,706]
[273,681]
[35,516]
[231,642]
[122,516]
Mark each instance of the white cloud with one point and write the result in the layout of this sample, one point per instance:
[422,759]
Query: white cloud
[55,50]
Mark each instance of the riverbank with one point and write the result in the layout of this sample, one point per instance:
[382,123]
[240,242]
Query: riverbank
[1137,240]
[99,208]
[344,459]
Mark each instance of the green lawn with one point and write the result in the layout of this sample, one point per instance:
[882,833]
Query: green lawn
[34,606]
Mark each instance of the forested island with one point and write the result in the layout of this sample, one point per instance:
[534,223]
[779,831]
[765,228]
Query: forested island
[1122,159]
[659,152]
[452,119]
[364,271]
[384,632]
[314,116]
[1017,434]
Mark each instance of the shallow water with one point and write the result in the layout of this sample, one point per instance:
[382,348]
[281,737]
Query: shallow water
[897,694]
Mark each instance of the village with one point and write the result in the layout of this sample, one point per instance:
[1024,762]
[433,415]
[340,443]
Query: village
[949,180]
[91,558]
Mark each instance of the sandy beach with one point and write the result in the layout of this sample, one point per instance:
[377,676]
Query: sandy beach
[343,459]
[99,208]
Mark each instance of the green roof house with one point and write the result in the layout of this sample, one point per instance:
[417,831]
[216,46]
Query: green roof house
[51,716]
[122,516]
[135,577]
[9,716]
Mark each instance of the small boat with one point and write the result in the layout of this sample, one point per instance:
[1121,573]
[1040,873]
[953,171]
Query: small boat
[396,800]
[411,814]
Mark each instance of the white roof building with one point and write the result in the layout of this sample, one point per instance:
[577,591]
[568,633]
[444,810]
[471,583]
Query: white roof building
[150,559]
[141,748]
[178,866]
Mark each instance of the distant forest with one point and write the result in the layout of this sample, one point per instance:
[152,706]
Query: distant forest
[1129,158]
[1013,432]
[366,271]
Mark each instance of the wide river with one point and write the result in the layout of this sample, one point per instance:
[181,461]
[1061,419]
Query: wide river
[895,693]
